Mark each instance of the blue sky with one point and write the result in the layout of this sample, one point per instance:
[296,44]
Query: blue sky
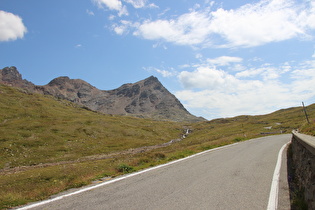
[219,58]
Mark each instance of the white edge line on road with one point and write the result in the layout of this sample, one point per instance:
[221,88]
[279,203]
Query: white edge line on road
[273,196]
[119,179]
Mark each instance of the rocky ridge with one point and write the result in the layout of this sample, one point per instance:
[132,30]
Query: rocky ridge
[147,98]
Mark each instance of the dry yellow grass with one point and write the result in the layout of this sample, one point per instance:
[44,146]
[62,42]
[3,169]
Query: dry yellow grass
[50,145]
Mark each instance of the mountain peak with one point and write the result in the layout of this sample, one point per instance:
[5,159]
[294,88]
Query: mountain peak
[59,81]
[151,80]
[147,98]
[10,74]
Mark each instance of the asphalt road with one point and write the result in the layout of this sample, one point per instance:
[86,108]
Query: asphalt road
[234,177]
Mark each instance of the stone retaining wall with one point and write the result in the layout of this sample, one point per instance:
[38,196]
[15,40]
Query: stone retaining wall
[303,149]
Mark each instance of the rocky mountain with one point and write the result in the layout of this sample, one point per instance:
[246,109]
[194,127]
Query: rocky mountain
[10,76]
[147,98]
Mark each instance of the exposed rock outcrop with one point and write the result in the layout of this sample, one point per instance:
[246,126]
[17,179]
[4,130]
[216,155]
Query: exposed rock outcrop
[10,76]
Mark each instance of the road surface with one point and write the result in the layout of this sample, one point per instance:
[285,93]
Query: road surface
[238,176]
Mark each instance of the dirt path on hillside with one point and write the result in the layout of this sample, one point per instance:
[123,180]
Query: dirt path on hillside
[131,151]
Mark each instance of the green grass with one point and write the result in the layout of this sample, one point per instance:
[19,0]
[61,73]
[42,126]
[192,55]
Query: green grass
[36,129]
[124,168]
[51,145]
[308,128]
[223,131]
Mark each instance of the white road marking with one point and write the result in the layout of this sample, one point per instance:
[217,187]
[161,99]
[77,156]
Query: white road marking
[119,179]
[273,196]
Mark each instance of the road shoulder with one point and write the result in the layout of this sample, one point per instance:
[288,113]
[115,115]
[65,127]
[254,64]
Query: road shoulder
[284,193]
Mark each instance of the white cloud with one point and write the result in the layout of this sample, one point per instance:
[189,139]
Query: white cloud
[184,66]
[238,67]
[123,27]
[303,80]
[123,11]
[121,8]
[111,17]
[164,73]
[113,5]
[120,30]
[224,60]
[137,3]
[11,27]
[266,72]
[159,44]
[198,56]
[89,12]
[141,4]
[247,26]
[257,24]
[207,78]
[307,17]
[164,12]
[253,91]
[152,5]
[253,97]
[256,59]
[249,73]
[188,29]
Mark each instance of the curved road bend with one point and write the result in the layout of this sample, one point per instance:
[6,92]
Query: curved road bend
[233,177]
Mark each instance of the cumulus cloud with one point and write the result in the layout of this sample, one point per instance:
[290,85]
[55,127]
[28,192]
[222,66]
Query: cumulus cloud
[255,98]
[207,78]
[188,29]
[304,86]
[113,5]
[123,27]
[307,17]
[120,30]
[250,25]
[252,91]
[11,27]
[257,24]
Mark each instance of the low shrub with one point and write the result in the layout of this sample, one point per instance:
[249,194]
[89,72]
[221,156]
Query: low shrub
[238,139]
[124,168]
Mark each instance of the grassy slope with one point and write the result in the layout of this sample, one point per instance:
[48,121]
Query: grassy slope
[36,129]
[244,127]
[219,132]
